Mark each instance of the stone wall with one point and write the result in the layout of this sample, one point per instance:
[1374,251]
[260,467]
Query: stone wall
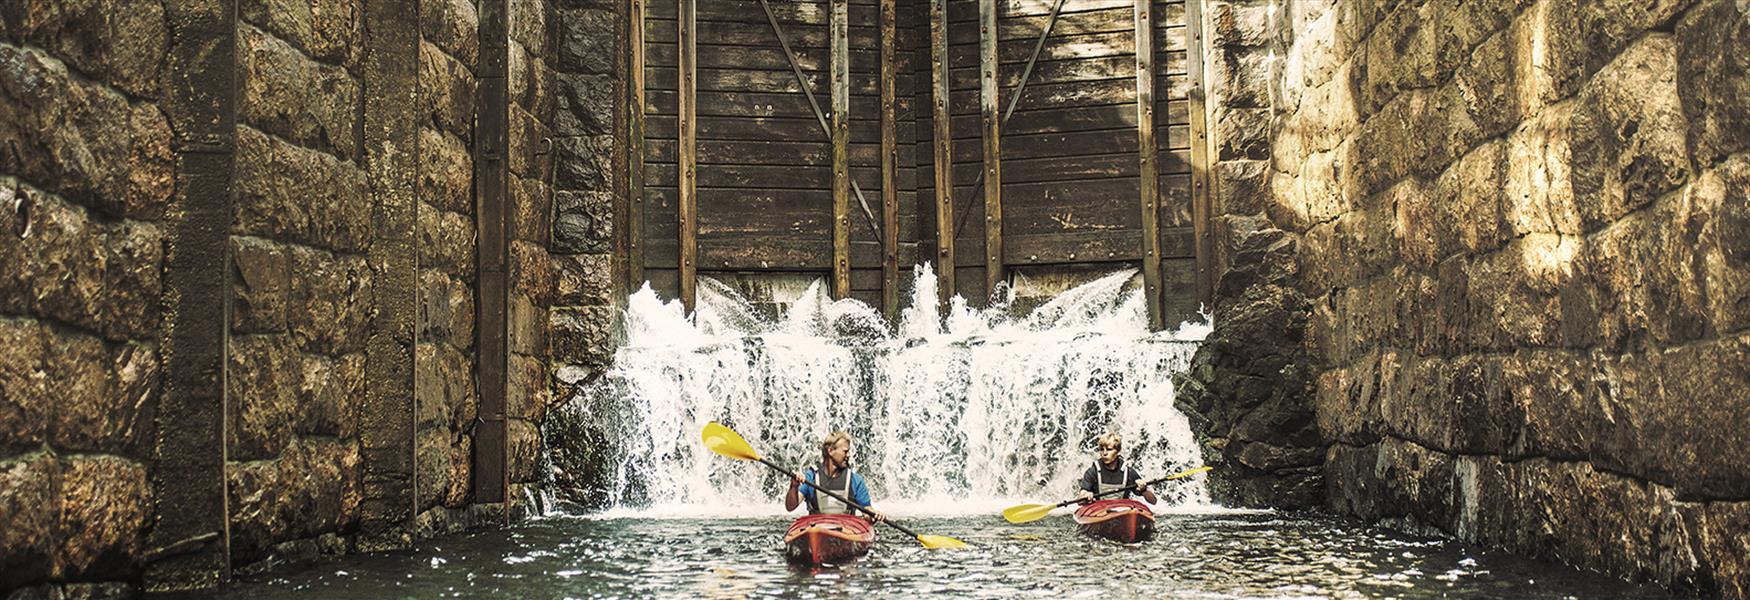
[300,176]
[86,176]
[531,215]
[1520,228]
[591,91]
[302,289]
[445,359]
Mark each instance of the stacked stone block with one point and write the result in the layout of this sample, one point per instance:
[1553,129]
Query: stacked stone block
[446,400]
[530,212]
[301,286]
[589,122]
[1248,384]
[86,174]
[1521,228]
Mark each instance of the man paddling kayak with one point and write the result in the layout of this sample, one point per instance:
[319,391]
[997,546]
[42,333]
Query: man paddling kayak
[834,473]
[1109,473]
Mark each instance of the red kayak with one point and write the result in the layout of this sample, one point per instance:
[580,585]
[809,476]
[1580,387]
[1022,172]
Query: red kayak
[816,539]
[1124,521]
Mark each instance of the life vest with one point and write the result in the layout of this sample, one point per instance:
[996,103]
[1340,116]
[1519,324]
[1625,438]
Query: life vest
[827,505]
[1107,487]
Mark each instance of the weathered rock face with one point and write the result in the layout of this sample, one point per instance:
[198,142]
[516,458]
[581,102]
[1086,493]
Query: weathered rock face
[1519,231]
[346,246]
[86,177]
[589,93]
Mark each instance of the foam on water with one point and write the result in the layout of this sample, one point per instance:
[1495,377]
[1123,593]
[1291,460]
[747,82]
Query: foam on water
[956,413]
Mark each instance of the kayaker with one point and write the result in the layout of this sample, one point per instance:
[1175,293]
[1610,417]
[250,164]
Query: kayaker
[1109,473]
[834,473]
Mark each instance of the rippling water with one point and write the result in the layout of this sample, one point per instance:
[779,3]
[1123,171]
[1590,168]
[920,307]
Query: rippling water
[1223,554]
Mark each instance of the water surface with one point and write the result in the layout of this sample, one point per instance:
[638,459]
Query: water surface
[1222,554]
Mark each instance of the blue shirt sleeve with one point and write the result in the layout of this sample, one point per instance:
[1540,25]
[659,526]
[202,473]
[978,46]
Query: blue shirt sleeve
[860,491]
[807,489]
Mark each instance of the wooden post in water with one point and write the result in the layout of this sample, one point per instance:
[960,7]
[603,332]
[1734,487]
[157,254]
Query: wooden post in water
[889,166]
[839,40]
[687,200]
[635,202]
[993,180]
[944,155]
[492,181]
[1149,163]
[1200,176]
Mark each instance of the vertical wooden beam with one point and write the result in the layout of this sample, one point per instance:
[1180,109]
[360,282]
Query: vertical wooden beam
[687,205]
[987,105]
[635,205]
[944,150]
[492,181]
[386,420]
[889,166]
[188,539]
[1149,163]
[840,58]
[1200,174]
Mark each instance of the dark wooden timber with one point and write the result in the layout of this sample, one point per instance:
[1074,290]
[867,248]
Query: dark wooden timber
[386,421]
[1015,98]
[687,207]
[889,164]
[802,83]
[944,150]
[188,488]
[635,125]
[841,140]
[1148,164]
[992,137]
[492,181]
[1201,179]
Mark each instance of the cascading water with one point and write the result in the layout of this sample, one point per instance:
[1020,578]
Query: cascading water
[947,413]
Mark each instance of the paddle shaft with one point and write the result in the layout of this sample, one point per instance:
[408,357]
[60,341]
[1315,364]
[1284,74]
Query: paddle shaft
[1149,483]
[836,496]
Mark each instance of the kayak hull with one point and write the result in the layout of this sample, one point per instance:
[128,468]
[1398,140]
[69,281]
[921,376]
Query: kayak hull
[1124,521]
[817,539]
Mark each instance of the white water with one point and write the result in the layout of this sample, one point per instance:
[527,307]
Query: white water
[951,415]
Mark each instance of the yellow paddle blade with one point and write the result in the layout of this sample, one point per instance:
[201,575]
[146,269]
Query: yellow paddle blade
[725,441]
[940,541]
[1027,512]
[1189,473]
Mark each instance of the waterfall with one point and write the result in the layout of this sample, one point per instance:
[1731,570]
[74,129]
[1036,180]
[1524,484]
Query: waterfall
[976,405]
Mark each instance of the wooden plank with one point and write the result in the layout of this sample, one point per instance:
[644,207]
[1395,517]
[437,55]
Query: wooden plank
[841,155]
[765,253]
[754,104]
[944,140]
[1060,168]
[789,12]
[1060,47]
[765,177]
[805,129]
[993,189]
[1148,158]
[762,152]
[635,125]
[749,80]
[763,57]
[1201,179]
[1087,246]
[687,168]
[889,164]
[491,483]
[758,33]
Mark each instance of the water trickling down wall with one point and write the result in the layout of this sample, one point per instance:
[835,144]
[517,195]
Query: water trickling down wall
[978,405]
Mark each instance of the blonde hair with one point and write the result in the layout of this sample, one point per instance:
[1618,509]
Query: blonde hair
[1110,438]
[832,439]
